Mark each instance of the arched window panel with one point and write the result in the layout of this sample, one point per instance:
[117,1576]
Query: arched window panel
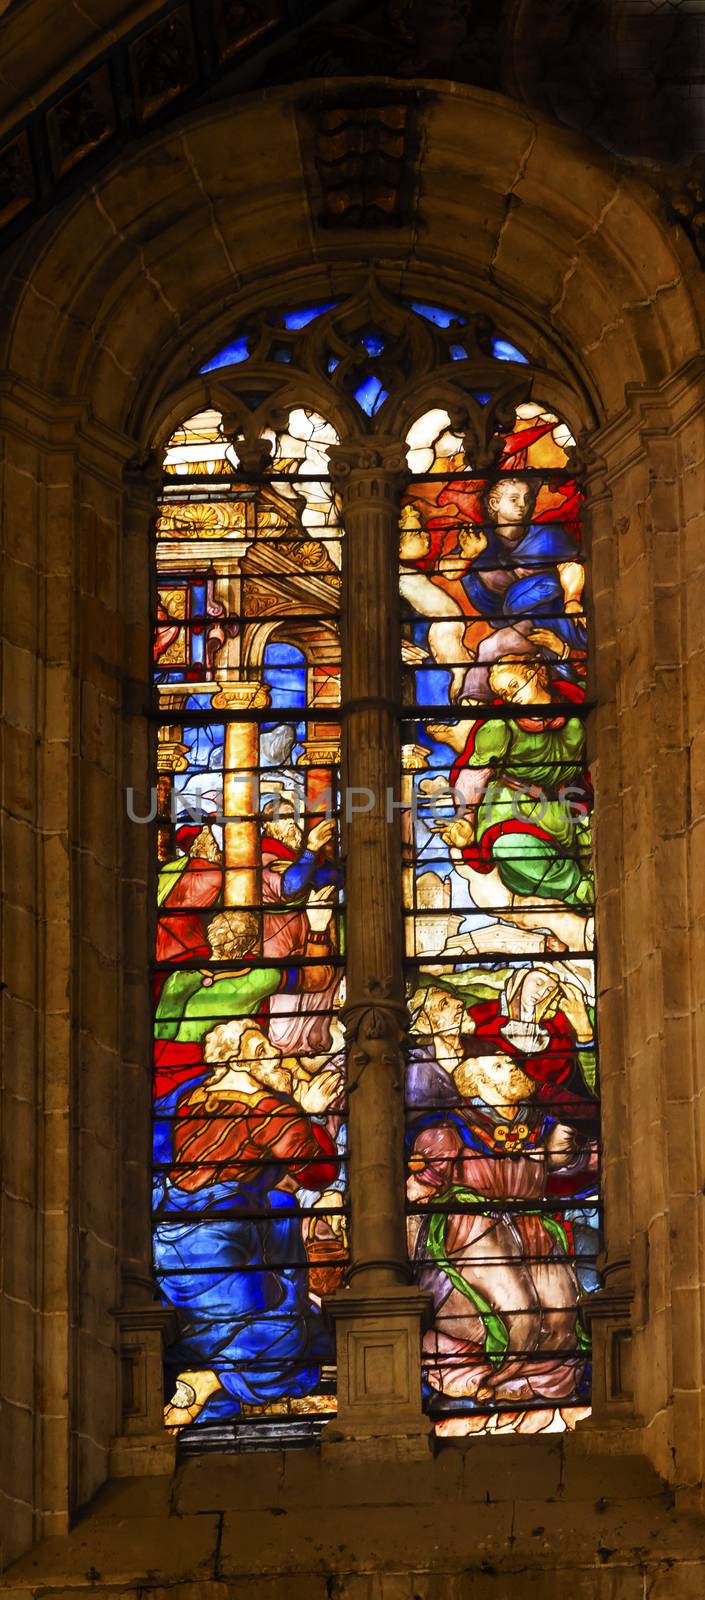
[250,1150]
[365,340]
[502,1107]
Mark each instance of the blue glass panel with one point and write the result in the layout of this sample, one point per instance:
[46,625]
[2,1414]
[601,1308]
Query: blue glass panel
[458,352]
[431,687]
[437,314]
[300,319]
[230,356]
[502,350]
[281,352]
[482,396]
[374,343]
[370,395]
[285,675]
[333,362]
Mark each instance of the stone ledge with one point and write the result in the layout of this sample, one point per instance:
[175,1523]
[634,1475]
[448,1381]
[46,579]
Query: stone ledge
[575,1544]
[609,1575]
[497,1470]
[123,1552]
[508,1538]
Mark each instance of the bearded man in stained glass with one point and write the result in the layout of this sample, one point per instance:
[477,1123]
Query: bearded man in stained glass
[191,1001]
[191,880]
[495,1255]
[240,1147]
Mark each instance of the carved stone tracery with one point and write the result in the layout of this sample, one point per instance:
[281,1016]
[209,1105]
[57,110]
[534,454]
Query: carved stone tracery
[419,366]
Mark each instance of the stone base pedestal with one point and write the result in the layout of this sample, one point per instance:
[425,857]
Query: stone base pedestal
[608,1315]
[143,1455]
[144,1447]
[378,1340]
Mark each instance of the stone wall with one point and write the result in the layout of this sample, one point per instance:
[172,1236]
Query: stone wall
[109,308]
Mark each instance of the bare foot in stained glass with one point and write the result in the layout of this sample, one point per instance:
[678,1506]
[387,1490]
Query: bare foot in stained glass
[192,1391]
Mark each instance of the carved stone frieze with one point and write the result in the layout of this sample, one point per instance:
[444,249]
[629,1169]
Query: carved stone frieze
[163,62]
[80,122]
[238,23]
[363,152]
[17,186]
[626,73]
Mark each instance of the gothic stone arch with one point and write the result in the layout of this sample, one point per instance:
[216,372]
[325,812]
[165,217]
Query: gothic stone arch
[112,305]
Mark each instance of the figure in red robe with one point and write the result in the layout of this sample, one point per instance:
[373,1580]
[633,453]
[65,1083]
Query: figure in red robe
[191,882]
[228,1244]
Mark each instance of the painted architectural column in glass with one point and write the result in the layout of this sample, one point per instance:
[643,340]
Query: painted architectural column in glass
[502,1114]
[250,1146]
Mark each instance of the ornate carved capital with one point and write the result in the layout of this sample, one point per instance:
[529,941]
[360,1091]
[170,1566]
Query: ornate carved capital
[375,1028]
[172,754]
[320,753]
[366,470]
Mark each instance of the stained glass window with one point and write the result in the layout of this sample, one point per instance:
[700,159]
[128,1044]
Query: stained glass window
[250,1143]
[501,1085]
[249,1082]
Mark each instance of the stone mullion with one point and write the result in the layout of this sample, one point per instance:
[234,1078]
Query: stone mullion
[378,1316]
[372,852]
